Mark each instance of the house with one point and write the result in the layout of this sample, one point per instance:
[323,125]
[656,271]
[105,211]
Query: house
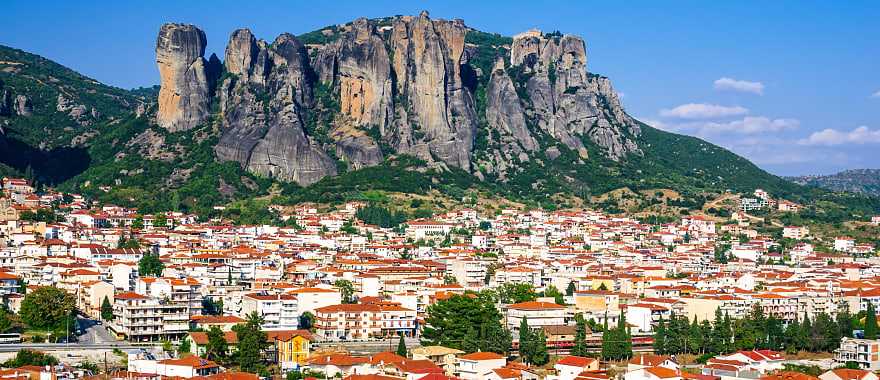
[569,367]
[198,341]
[848,374]
[478,365]
[795,232]
[444,357]
[339,364]
[187,367]
[648,360]
[644,315]
[864,352]
[653,373]
[762,360]
[538,314]
[291,348]
[844,244]
[224,322]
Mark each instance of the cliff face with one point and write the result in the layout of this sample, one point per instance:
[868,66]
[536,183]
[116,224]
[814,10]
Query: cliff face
[403,85]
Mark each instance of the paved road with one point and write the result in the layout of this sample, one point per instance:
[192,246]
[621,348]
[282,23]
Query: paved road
[94,333]
[69,347]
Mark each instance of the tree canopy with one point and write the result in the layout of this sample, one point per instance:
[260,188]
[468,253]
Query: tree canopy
[468,322]
[48,308]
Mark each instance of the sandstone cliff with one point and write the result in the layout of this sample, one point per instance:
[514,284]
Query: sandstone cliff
[402,85]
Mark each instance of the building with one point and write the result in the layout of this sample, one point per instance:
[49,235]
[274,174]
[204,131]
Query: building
[188,367]
[848,374]
[279,311]
[569,367]
[478,365]
[363,321]
[864,352]
[795,232]
[141,318]
[538,314]
[445,357]
[290,348]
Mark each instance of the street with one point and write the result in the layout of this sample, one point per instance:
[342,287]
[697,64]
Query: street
[93,333]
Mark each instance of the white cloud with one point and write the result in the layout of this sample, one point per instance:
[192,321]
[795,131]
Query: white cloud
[703,111]
[730,84]
[828,137]
[876,94]
[751,125]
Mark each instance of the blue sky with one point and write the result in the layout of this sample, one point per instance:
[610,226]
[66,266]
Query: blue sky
[788,84]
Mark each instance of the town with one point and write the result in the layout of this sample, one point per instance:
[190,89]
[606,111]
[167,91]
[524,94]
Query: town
[99,291]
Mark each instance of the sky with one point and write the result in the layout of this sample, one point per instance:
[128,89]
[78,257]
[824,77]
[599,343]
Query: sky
[793,86]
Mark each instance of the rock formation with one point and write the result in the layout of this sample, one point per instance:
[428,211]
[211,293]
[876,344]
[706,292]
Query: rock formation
[402,85]
[184,98]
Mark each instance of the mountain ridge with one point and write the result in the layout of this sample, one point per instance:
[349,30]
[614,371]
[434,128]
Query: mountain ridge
[863,181]
[327,116]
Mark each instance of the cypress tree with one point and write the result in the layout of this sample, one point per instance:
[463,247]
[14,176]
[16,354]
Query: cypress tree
[871,322]
[580,336]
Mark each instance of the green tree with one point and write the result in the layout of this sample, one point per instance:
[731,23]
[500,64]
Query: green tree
[347,289]
[558,297]
[660,336]
[160,221]
[569,291]
[448,321]
[184,348]
[307,320]
[30,357]
[510,293]
[150,265]
[870,322]
[401,347]
[526,341]
[539,350]
[251,343]
[48,308]
[106,309]
[580,336]
[470,341]
[217,348]
[138,223]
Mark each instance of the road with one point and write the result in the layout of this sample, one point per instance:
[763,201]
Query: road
[69,347]
[93,332]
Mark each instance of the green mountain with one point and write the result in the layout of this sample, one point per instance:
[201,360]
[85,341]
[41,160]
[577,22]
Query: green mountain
[861,181]
[400,104]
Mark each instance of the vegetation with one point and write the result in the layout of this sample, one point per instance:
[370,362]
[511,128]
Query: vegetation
[217,348]
[106,309]
[49,308]
[467,322]
[251,343]
[150,265]
[516,293]
[617,342]
[532,344]
[755,331]
[347,289]
[401,347]
[30,357]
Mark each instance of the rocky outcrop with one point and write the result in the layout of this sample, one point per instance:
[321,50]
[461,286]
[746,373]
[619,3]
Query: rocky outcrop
[184,98]
[404,85]
[5,102]
[565,100]
[23,106]
[436,120]
[262,106]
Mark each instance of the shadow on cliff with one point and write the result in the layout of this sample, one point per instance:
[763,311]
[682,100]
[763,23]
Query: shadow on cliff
[47,166]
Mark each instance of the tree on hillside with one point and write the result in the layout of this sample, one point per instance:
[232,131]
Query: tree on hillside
[150,265]
[526,341]
[448,322]
[347,289]
[48,308]
[870,322]
[401,347]
[251,343]
[106,309]
[580,336]
[510,293]
[217,347]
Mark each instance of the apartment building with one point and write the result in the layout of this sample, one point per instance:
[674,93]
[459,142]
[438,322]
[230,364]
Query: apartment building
[864,352]
[360,321]
[279,311]
[538,314]
[141,318]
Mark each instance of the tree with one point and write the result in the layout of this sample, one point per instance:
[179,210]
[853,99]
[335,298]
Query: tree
[184,348]
[167,346]
[580,336]
[660,336]
[449,321]
[602,287]
[569,291]
[30,357]
[48,308]
[558,298]
[251,343]
[217,347]
[539,350]
[450,280]
[212,308]
[527,344]
[150,265]
[307,320]
[516,292]
[347,289]
[138,223]
[870,322]
[160,221]
[106,309]
[401,347]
